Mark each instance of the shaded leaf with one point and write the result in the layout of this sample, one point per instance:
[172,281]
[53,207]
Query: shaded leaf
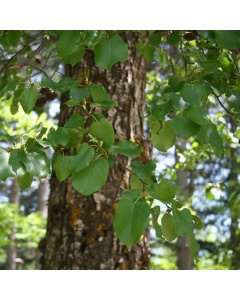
[162,138]
[28,98]
[131,218]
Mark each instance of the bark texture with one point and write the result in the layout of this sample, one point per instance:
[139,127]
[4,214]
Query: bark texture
[184,256]
[80,231]
[11,263]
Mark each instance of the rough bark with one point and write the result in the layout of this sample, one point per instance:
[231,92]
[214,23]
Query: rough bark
[80,231]
[14,198]
[184,257]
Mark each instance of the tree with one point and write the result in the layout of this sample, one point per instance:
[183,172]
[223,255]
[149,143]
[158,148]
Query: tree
[101,152]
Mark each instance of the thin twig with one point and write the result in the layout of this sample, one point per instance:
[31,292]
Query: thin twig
[30,56]
[39,69]
[219,101]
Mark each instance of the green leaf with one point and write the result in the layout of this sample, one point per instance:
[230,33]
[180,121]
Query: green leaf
[135,183]
[66,83]
[194,93]
[62,166]
[193,246]
[197,114]
[24,179]
[92,178]
[75,121]
[131,218]
[16,158]
[148,53]
[143,171]
[103,131]
[83,158]
[228,39]
[155,212]
[166,190]
[75,57]
[209,135]
[155,39]
[14,37]
[37,164]
[48,82]
[178,102]
[168,227]
[68,42]
[58,137]
[209,66]
[162,138]
[110,51]
[100,96]
[182,220]
[5,169]
[79,94]
[127,148]
[28,98]
[184,127]
[159,112]
[197,221]
[5,136]
[75,136]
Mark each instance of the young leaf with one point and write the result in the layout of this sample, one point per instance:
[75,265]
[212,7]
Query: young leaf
[103,131]
[162,138]
[61,166]
[28,98]
[166,190]
[127,148]
[183,222]
[168,227]
[141,170]
[131,218]
[92,178]
[110,51]
[5,169]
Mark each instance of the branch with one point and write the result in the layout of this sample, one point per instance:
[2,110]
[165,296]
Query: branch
[34,53]
[39,69]
[21,50]
[219,101]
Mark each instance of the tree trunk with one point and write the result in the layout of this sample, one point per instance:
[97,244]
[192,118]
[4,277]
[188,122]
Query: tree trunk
[11,263]
[42,194]
[80,231]
[184,257]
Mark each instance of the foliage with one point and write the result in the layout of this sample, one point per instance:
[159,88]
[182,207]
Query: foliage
[29,229]
[207,74]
